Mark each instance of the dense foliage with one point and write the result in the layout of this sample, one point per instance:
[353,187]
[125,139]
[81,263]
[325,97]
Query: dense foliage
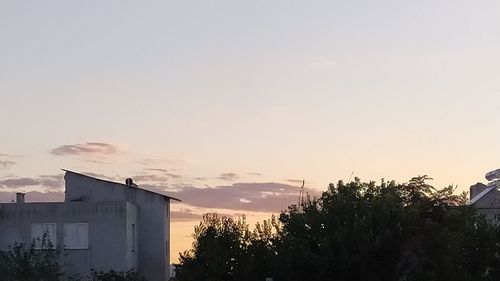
[25,263]
[115,276]
[354,231]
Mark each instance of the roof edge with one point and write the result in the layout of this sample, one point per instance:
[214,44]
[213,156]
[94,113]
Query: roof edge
[165,196]
[483,193]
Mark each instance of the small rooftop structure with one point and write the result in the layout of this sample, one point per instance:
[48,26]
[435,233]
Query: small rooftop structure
[486,197]
[479,190]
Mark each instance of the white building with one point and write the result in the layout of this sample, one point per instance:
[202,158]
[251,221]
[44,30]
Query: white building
[101,224]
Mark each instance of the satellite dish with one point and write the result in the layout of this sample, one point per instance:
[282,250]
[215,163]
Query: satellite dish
[493,175]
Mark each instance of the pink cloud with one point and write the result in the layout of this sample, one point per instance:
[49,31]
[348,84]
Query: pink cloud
[92,148]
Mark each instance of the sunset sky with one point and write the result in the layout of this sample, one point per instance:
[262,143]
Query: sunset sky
[228,105]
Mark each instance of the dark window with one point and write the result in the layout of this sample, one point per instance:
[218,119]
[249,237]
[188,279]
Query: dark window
[133,237]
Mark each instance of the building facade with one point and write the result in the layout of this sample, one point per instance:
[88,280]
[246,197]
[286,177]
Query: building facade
[486,199]
[101,225]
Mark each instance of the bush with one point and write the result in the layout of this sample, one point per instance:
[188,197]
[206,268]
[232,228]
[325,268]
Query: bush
[115,276]
[24,262]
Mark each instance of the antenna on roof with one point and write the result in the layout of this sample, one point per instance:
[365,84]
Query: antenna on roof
[350,177]
[301,195]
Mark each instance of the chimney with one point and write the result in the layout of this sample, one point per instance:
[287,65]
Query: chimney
[476,189]
[20,198]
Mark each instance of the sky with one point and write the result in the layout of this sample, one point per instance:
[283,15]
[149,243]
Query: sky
[228,105]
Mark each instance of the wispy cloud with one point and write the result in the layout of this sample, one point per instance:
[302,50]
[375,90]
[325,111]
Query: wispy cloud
[156,178]
[33,196]
[46,181]
[102,176]
[5,164]
[157,170]
[51,181]
[228,176]
[157,175]
[260,197]
[294,181]
[253,174]
[158,161]
[265,197]
[89,148]
[180,216]
[18,182]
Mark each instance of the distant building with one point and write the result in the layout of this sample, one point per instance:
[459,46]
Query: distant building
[101,225]
[486,198]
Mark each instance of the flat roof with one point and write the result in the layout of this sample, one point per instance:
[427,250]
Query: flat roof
[124,185]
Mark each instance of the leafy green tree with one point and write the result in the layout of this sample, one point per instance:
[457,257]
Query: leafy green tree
[354,231]
[218,250]
[364,231]
[261,256]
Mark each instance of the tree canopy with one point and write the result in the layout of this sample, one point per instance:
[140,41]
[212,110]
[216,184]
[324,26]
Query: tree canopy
[354,231]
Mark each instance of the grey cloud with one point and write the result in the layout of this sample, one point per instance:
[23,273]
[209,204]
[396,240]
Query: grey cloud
[157,170]
[159,174]
[147,161]
[174,176]
[102,176]
[181,216]
[85,149]
[151,161]
[295,181]
[253,174]
[158,188]
[156,178]
[97,161]
[265,197]
[18,182]
[6,164]
[149,178]
[33,196]
[228,176]
[51,181]
[47,181]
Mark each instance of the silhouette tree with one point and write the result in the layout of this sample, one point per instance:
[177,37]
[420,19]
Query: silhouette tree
[354,231]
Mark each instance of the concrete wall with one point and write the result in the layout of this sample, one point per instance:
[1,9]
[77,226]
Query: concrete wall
[108,246]
[152,219]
